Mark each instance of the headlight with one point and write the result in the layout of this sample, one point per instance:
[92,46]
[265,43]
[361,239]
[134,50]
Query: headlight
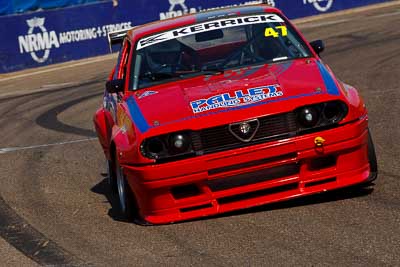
[321,115]
[167,146]
[334,111]
[153,147]
[179,143]
[308,116]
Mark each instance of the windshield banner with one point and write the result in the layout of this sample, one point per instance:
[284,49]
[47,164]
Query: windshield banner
[58,35]
[211,25]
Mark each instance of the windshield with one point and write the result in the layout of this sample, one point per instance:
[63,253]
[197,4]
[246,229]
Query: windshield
[213,47]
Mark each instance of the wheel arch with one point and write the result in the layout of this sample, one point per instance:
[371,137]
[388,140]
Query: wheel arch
[103,123]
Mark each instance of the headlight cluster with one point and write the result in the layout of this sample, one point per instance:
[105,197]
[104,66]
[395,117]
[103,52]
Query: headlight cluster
[321,115]
[184,144]
[168,145]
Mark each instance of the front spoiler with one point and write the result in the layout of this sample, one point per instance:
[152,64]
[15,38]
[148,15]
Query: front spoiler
[345,153]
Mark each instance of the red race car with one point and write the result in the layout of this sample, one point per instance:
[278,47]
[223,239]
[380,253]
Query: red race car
[224,110]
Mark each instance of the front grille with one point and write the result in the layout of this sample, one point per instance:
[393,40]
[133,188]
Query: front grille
[220,138]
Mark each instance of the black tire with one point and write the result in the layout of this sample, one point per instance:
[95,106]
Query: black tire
[127,208]
[373,163]
[111,178]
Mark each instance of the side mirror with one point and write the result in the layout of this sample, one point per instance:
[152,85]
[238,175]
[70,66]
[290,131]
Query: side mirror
[115,86]
[318,46]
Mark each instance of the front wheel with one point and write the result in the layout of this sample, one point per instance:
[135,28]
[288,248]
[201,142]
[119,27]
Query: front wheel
[111,177]
[373,163]
[126,200]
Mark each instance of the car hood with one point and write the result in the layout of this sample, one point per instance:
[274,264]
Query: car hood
[258,90]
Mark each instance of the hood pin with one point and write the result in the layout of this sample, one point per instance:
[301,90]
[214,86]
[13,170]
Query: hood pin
[319,141]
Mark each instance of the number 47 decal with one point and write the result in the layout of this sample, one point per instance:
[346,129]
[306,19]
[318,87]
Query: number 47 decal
[276,32]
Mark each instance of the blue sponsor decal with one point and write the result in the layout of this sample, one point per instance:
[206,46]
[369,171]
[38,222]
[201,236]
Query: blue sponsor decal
[330,84]
[238,98]
[137,115]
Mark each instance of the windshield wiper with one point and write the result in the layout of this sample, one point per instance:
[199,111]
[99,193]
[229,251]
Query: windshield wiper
[210,71]
[214,70]
[277,59]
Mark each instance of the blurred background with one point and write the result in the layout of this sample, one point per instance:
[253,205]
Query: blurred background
[42,32]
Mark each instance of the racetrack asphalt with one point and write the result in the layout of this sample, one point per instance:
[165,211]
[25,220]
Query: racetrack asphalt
[55,207]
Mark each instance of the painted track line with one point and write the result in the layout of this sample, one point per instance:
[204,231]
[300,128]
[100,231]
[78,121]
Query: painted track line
[12,149]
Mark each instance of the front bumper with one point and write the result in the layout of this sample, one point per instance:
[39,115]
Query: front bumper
[251,176]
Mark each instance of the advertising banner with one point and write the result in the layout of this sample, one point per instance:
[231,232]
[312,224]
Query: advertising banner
[53,36]
[8,7]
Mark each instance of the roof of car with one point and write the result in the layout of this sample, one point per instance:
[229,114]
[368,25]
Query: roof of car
[164,25]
